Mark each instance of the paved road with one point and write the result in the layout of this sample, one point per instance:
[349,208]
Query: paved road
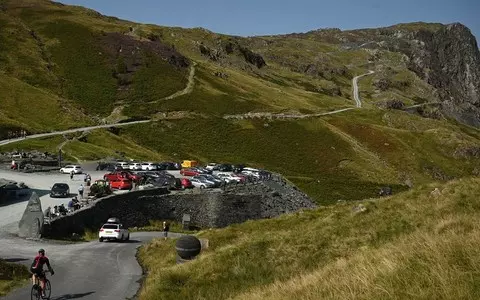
[356,95]
[33,136]
[87,271]
[84,270]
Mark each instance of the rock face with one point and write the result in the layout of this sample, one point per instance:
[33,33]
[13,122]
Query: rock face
[449,60]
[31,224]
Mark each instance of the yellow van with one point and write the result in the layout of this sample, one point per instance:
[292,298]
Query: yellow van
[189,163]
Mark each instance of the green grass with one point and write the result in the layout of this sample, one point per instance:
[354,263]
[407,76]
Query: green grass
[12,276]
[88,76]
[413,245]
[34,109]
[157,80]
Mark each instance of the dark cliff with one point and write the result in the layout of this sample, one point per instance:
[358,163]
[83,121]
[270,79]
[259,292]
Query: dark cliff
[449,60]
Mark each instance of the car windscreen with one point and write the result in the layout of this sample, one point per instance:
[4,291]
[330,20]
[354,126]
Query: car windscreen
[110,226]
[62,186]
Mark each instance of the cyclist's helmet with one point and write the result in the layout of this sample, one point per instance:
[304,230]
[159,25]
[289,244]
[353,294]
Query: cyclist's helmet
[42,251]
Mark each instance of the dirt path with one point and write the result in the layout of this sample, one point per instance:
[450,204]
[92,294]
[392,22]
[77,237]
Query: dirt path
[187,90]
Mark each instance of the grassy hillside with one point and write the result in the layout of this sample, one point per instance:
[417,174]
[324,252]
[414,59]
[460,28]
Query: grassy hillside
[419,244]
[11,276]
[70,66]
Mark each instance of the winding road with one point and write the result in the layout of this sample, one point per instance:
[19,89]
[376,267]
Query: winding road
[87,271]
[356,95]
[188,89]
[40,135]
[90,270]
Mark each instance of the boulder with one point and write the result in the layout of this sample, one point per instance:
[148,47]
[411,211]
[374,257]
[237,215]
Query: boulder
[31,224]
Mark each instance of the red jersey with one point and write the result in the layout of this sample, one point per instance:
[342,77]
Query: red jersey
[39,261]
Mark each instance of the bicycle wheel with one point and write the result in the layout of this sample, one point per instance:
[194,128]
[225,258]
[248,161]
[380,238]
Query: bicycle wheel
[35,294]
[47,290]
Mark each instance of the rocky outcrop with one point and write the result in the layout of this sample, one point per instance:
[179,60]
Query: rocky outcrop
[449,60]
[231,48]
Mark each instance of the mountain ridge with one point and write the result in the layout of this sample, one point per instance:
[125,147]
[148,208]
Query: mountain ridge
[101,68]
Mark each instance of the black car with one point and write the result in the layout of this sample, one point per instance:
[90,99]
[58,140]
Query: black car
[225,168]
[60,190]
[168,165]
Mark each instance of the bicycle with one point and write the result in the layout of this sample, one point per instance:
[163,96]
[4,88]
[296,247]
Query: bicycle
[36,293]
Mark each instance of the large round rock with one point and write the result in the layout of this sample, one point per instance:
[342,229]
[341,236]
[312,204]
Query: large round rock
[188,247]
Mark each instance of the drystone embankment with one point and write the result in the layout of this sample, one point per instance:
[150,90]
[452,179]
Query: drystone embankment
[207,209]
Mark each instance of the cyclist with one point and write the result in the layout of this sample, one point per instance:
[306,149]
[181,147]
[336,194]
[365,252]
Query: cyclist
[37,269]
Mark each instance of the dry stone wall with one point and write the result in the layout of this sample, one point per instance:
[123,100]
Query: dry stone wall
[207,209]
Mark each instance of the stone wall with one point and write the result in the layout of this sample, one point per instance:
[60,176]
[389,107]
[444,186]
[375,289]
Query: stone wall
[207,208]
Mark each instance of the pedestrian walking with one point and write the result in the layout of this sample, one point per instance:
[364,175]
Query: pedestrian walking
[166,228]
[71,175]
[80,191]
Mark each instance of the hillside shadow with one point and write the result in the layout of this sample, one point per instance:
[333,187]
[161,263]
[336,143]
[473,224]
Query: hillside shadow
[71,296]
[24,198]
[15,259]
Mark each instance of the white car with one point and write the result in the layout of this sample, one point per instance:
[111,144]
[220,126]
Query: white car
[229,177]
[69,168]
[113,231]
[124,165]
[203,184]
[211,166]
[148,166]
[255,174]
[135,166]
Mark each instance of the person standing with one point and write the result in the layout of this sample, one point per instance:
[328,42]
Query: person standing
[80,190]
[166,228]
[71,175]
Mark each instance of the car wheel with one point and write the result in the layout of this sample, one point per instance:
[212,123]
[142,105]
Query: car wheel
[100,240]
[202,187]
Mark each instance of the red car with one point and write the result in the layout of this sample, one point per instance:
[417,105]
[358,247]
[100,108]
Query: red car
[121,184]
[122,175]
[186,183]
[189,172]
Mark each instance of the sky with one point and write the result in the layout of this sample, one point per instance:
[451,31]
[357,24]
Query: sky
[264,17]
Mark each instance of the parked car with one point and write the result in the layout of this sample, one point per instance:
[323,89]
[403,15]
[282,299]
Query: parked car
[212,166]
[125,174]
[217,181]
[121,184]
[189,163]
[204,170]
[113,231]
[167,165]
[228,178]
[149,166]
[203,184]
[135,166]
[189,172]
[225,168]
[231,177]
[186,183]
[251,172]
[124,165]
[204,179]
[69,168]
[60,190]
[238,168]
